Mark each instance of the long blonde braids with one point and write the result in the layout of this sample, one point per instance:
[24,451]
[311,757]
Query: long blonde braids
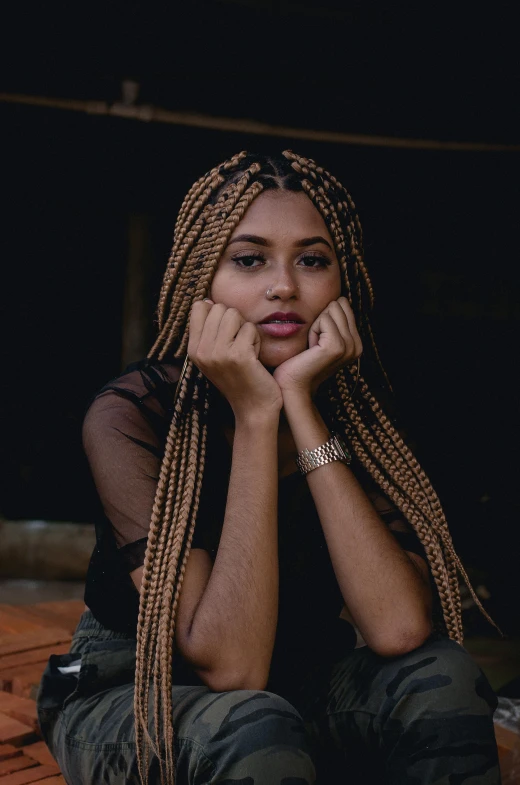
[208,216]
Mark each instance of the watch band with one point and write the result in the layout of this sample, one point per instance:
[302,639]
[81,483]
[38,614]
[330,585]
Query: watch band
[333,450]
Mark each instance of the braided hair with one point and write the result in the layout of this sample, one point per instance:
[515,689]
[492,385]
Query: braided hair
[211,211]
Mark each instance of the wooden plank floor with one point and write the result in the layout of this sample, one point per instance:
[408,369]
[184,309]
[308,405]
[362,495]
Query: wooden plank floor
[29,634]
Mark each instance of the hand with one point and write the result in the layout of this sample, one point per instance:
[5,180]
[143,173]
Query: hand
[333,343]
[225,348]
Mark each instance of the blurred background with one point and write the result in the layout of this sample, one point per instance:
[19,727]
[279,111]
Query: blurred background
[110,112]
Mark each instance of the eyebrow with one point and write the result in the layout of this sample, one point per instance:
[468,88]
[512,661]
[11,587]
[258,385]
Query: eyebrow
[303,243]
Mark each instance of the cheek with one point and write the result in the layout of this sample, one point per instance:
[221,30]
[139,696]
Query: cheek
[326,286]
[220,286]
[230,292]
[338,285]
[321,296]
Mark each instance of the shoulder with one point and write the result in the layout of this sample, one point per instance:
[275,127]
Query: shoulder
[140,400]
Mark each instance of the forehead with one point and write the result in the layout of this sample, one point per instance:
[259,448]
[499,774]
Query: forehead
[282,216]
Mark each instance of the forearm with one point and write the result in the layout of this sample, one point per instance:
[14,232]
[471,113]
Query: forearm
[234,625]
[385,593]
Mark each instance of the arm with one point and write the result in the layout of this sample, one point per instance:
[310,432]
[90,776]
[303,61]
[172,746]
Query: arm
[228,610]
[229,636]
[227,630]
[124,455]
[385,589]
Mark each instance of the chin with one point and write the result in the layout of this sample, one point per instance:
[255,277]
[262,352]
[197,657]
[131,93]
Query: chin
[273,356]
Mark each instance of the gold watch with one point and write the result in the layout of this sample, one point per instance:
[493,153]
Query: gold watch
[333,450]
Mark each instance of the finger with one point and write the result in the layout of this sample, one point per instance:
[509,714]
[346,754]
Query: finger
[247,336]
[316,330]
[325,331]
[229,326]
[198,315]
[349,313]
[352,342]
[340,317]
[208,335]
[314,334]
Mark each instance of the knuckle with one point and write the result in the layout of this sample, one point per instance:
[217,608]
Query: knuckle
[234,314]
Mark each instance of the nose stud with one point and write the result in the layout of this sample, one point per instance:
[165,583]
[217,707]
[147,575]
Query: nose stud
[269,291]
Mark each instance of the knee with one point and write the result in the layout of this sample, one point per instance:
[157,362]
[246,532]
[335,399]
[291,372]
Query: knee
[440,676]
[264,716]
[437,711]
[261,735]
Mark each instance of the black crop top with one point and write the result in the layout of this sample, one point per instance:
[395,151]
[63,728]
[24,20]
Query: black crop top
[124,436]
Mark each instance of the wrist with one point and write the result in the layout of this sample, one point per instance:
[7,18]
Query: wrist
[334,449]
[253,419]
[306,423]
[297,398]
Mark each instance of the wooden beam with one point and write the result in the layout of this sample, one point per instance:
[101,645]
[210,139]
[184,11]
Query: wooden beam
[153,114]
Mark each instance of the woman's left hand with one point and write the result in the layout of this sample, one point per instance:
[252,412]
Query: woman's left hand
[333,343]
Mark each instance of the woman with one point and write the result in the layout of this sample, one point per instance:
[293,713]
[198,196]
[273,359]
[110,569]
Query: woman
[273,555]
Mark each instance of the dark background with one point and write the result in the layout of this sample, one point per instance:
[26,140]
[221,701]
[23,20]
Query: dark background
[440,225]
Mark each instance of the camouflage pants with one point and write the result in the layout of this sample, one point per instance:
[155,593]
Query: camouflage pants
[424,718]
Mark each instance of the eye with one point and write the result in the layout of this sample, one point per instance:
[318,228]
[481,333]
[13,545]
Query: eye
[246,261]
[311,259]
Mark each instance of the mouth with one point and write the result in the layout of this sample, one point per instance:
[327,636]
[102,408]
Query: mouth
[280,329]
[282,324]
[278,317]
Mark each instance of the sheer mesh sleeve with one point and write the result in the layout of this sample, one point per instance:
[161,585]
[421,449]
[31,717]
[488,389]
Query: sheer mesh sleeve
[124,457]
[123,435]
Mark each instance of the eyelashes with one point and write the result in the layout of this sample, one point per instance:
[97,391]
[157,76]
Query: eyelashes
[241,260]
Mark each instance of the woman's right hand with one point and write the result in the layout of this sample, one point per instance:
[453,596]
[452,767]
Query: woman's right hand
[225,348]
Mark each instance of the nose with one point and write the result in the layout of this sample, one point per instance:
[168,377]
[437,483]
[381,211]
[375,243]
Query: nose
[285,286]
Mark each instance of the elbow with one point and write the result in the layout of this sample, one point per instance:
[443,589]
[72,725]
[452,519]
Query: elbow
[221,672]
[402,641]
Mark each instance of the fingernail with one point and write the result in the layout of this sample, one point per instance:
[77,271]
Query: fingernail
[207,300]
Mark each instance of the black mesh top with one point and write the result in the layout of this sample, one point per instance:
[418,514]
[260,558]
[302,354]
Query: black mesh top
[124,435]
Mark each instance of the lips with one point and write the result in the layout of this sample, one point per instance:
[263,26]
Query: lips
[283,316]
[280,329]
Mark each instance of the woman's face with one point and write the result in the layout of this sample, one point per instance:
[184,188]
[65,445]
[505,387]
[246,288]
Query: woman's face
[282,244]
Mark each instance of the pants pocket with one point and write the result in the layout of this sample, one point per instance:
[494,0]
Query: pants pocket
[55,690]
[105,664]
